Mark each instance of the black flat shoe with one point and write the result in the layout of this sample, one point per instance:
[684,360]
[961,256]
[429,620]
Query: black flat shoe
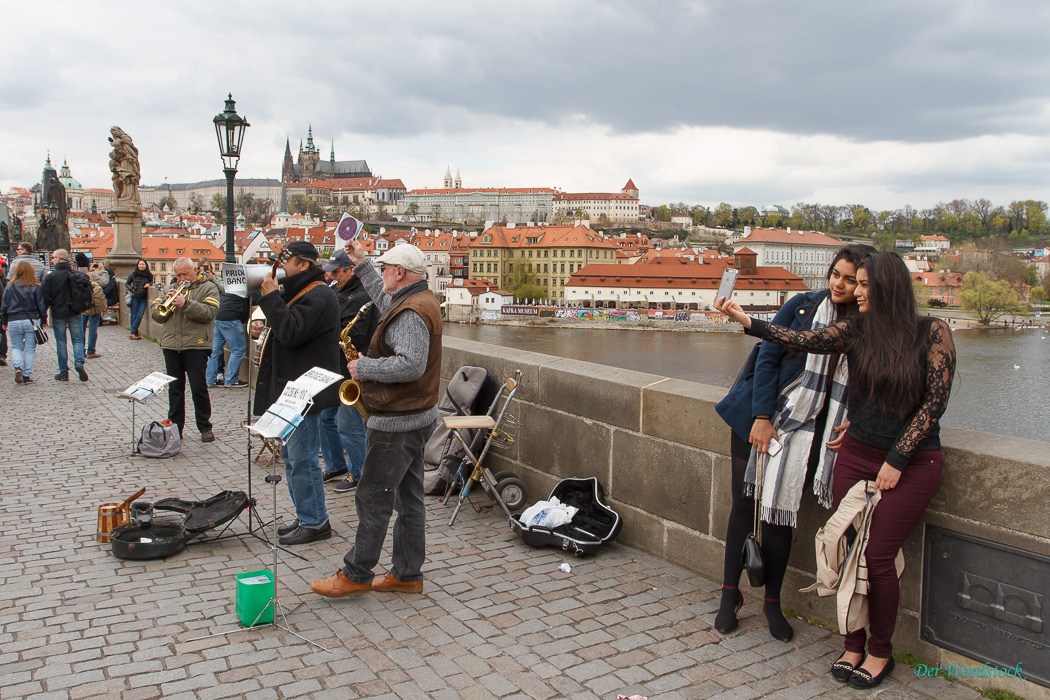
[863,680]
[288,529]
[304,535]
[842,670]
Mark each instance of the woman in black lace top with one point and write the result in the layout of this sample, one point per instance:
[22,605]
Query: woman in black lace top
[901,371]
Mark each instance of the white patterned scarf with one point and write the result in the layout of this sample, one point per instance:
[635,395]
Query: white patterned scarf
[795,422]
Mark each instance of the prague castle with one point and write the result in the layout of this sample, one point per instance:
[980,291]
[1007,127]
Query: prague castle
[311,168]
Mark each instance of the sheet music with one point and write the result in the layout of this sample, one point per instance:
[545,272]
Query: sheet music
[282,417]
[147,387]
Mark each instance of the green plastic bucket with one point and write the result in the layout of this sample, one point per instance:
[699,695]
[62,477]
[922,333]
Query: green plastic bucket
[254,591]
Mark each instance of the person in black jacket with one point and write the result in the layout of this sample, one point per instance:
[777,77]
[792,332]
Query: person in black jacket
[229,330]
[22,311]
[304,330]
[349,435]
[3,329]
[56,297]
[137,285]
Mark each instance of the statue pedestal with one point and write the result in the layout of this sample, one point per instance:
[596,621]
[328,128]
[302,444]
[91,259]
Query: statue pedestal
[127,240]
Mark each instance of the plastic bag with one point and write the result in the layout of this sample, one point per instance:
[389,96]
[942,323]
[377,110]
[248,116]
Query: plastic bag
[549,514]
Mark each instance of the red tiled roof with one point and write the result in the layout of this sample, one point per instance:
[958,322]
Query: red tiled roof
[498,190]
[683,276]
[630,185]
[542,236]
[391,184]
[477,287]
[774,235]
[353,183]
[745,251]
[576,196]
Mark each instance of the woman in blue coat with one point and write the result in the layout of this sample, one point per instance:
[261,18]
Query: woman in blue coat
[796,399]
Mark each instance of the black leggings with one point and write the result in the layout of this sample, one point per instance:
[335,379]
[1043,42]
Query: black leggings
[776,539]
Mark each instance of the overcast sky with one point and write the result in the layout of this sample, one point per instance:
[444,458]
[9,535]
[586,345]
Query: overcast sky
[747,101]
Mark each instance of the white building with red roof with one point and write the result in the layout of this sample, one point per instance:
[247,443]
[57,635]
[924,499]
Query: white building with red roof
[619,206]
[476,205]
[681,283]
[807,254]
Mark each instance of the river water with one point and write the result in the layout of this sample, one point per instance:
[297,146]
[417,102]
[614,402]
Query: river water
[1000,385]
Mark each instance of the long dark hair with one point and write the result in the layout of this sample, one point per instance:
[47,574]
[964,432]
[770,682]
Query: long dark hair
[885,366]
[147,274]
[854,254]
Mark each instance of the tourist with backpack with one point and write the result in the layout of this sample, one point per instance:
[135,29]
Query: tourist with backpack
[93,316]
[64,295]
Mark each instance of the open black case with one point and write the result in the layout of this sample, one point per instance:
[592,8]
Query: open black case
[593,525]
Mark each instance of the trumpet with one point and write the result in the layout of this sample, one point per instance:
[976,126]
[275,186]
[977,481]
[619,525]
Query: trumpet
[350,390]
[166,308]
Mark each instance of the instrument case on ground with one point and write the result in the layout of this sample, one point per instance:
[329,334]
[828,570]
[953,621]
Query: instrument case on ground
[593,525]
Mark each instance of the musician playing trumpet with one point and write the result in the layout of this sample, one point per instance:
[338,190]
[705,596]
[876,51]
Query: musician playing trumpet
[186,320]
[303,320]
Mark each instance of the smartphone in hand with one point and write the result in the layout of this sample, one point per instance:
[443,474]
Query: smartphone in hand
[728,283]
[774,447]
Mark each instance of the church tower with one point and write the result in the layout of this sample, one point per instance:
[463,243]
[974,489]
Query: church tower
[459,180]
[308,158]
[448,178]
[288,167]
[331,156]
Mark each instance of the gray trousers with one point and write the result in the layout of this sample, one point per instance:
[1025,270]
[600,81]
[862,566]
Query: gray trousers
[391,479]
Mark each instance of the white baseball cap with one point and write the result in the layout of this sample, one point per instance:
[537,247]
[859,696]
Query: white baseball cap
[407,256]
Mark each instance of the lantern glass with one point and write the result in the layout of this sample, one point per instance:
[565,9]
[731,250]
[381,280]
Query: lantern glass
[229,130]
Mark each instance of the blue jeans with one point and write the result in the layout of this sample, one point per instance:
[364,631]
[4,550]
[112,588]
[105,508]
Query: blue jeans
[76,335]
[137,309]
[302,469]
[23,345]
[352,433]
[392,478]
[91,331]
[331,445]
[232,333]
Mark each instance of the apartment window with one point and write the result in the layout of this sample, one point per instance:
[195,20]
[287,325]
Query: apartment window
[163,266]
[563,267]
[153,266]
[545,267]
[475,269]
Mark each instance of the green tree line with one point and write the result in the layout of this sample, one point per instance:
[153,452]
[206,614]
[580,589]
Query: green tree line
[958,220]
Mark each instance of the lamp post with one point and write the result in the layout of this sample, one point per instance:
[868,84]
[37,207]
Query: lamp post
[229,128]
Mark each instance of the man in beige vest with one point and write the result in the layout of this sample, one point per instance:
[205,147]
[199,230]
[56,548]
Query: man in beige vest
[399,377]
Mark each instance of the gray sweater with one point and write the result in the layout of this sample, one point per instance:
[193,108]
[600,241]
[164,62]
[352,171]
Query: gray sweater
[409,338]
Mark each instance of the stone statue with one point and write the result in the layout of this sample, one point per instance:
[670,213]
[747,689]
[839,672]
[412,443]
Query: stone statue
[124,163]
[5,239]
[16,232]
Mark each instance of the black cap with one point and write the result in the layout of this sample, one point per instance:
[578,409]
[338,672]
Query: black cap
[302,249]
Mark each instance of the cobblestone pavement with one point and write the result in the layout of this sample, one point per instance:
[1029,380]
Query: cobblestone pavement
[496,619]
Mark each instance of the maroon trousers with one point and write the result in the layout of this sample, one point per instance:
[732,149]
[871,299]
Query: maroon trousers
[896,515]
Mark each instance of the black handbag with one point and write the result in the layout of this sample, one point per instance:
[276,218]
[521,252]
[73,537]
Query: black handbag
[751,556]
[41,335]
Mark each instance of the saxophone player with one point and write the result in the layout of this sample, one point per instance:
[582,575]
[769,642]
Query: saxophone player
[185,338]
[349,437]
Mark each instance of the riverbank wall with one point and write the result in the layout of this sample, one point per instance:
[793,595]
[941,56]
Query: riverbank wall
[662,455]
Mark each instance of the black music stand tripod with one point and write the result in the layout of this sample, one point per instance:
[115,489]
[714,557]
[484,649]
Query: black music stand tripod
[272,478]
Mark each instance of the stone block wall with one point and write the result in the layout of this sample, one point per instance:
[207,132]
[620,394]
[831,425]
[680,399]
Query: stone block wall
[662,455]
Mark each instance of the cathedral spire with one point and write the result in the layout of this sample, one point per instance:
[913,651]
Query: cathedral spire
[448,177]
[331,158]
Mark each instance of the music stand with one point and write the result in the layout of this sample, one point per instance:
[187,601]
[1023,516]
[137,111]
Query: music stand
[140,392]
[273,478]
[250,506]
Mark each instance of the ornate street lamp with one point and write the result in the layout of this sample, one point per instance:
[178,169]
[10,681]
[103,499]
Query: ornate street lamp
[229,128]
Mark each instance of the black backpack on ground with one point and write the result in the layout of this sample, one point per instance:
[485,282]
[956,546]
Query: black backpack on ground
[81,294]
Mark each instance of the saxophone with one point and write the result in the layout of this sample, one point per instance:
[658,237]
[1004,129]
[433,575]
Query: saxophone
[350,390]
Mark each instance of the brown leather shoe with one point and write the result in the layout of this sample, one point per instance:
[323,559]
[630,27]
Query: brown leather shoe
[339,586]
[389,583]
